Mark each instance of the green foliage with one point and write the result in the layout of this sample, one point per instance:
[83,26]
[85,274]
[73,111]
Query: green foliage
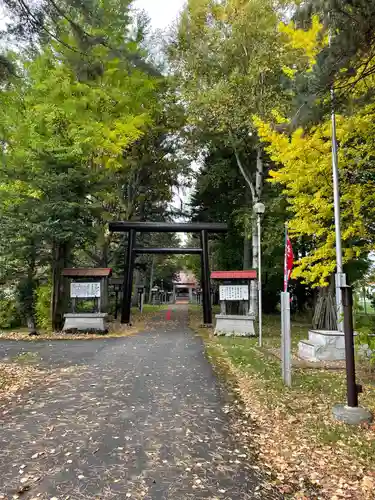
[85,130]
[9,312]
[229,60]
[220,195]
[223,52]
[43,306]
[365,339]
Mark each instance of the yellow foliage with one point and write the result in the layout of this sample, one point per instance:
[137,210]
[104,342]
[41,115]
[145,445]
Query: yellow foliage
[278,116]
[310,42]
[305,172]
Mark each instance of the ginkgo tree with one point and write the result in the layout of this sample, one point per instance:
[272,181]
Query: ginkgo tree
[65,136]
[304,170]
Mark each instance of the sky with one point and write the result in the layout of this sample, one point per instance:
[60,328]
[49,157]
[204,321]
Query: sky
[161,12]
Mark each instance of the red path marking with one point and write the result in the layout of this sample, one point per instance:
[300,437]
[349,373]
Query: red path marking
[168,315]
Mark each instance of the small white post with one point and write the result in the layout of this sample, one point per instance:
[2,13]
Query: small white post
[286,344]
[142,300]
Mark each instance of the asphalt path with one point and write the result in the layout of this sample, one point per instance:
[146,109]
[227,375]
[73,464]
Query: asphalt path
[140,417]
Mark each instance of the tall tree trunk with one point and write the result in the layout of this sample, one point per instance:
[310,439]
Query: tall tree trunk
[26,290]
[246,242]
[59,298]
[104,259]
[256,193]
[31,323]
[255,236]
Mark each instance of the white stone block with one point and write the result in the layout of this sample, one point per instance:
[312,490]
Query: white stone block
[85,322]
[235,325]
[323,345]
[307,351]
[325,337]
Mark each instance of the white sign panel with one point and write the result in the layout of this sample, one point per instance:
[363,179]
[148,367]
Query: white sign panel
[84,290]
[235,292]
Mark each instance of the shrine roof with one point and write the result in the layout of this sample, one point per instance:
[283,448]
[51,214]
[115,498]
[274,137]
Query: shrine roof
[88,272]
[185,278]
[232,275]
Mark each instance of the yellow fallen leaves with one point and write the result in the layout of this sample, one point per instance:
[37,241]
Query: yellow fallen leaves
[14,376]
[301,465]
[368,484]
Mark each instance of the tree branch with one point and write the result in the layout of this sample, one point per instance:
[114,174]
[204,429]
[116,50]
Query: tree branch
[259,173]
[244,174]
[29,13]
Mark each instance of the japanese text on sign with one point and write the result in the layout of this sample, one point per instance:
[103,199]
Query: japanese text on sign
[84,290]
[236,292]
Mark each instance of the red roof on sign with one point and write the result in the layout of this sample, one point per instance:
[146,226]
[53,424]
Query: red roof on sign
[88,272]
[232,275]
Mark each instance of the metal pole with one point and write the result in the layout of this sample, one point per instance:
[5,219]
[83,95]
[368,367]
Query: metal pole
[207,308]
[287,341]
[282,306]
[340,279]
[128,279]
[286,347]
[260,282]
[352,390]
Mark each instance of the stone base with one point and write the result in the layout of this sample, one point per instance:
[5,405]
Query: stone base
[234,325]
[323,345]
[85,322]
[352,416]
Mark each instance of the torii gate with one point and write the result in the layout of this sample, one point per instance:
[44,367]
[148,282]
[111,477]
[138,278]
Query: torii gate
[164,227]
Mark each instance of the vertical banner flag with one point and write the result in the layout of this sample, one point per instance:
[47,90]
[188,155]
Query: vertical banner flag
[288,260]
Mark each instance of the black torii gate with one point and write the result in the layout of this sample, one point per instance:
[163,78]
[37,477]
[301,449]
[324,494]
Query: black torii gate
[164,227]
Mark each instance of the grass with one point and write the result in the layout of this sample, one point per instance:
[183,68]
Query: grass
[150,308]
[257,375]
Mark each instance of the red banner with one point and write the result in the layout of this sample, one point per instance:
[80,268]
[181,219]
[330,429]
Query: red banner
[288,261]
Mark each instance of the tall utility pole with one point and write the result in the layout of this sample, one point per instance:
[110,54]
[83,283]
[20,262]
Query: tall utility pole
[340,277]
[259,209]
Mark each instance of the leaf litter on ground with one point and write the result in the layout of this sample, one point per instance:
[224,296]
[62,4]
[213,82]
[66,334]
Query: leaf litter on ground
[293,433]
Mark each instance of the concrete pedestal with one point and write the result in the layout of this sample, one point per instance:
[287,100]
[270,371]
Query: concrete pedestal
[235,325]
[323,345]
[352,416]
[85,322]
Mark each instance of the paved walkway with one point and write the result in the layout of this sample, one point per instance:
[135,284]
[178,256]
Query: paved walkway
[141,418]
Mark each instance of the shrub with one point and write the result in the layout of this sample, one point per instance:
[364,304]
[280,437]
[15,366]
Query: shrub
[365,340]
[10,316]
[43,306]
